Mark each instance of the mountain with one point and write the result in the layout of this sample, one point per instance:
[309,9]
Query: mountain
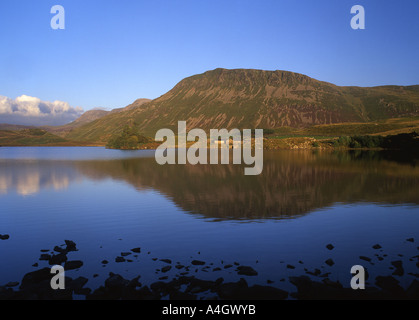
[88,117]
[33,137]
[247,98]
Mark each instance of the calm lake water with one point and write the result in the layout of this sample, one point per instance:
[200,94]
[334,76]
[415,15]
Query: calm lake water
[110,201]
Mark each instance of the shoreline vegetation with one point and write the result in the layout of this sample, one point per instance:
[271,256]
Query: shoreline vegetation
[394,134]
[182,284]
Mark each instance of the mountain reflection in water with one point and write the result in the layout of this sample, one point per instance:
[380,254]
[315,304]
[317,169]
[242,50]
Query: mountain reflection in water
[293,183]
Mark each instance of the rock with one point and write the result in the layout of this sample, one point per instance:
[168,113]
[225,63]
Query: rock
[58,259]
[399,268]
[289,266]
[166,260]
[78,284]
[198,263]
[166,269]
[376,246]
[60,250]
[178,295]
[247,271]
[12,284]
[330,262]
[137,250]
[413,290]
[179,266]
[45,257]
[35,264]
[410,239]
[4,236]
[258,292]
[71,245]
[119,259]
[231,290]
[316,272]
[105,261]
[36,277]
[71,265]
[332,283]
[330,246]
[217,269]
[228,266]
[389,284]
[365,258]
[115,281]
[124,254]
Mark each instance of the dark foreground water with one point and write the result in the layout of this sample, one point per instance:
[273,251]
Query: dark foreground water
[110,201]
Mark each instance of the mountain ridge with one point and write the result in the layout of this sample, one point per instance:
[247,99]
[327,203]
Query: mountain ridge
[251,98]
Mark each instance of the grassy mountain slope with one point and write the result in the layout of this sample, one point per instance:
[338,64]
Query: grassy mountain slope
[244,98]
[33,137]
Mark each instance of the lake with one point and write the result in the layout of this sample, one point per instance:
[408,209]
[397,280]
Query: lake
[279,222]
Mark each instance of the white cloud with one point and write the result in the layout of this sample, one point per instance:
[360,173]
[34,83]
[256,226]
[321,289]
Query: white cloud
[27,110]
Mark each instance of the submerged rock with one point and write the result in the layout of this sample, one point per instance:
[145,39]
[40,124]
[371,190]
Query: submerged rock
[4,236]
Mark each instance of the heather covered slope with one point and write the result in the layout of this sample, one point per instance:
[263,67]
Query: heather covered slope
[244,98]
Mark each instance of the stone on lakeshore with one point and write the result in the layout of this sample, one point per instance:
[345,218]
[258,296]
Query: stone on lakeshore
[198,263]
[166,269]
[376,246]
[365,258]
[12,284]
[136,250]
[330,246]
[115,281]
[45,257]
[119,259]
[58,259]
[399,268]
[389,284]
[330,262]
[413,290]
[71,265]
[246,271]
[71,245]
[166,260]
[4,236]
[60,250]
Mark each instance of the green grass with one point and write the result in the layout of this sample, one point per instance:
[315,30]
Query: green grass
[32,137]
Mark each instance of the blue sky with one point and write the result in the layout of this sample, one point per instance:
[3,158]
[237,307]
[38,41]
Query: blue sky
[113,52]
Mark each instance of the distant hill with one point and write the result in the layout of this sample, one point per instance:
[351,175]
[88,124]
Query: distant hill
[244,98]
[87,117]
[33,137]
[6,126]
